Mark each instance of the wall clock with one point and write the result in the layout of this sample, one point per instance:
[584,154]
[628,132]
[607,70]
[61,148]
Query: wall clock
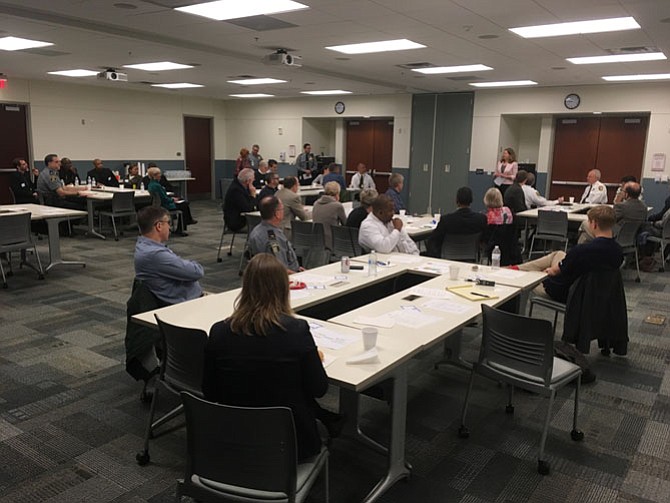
[339,107]
[572,101]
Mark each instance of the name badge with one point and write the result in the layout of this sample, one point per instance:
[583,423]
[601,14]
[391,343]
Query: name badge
[23,185]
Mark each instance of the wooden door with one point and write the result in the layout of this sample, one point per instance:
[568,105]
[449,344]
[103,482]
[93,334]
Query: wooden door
[14,135]
[612,144]
[371,142]
[198,155]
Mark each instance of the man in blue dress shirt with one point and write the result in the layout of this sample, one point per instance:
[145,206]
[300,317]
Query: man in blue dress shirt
[396,182]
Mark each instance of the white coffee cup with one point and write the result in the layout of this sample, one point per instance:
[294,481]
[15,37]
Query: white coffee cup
[436,217]
[402,212]
[572,199]
[453,271]
[369,337]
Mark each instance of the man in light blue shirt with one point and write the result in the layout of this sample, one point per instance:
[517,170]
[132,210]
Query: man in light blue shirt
[168,276]
[396,183]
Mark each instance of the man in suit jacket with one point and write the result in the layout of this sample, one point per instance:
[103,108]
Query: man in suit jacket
[461,221]
[293,207]
[240,198]
[25,190]
[515,199]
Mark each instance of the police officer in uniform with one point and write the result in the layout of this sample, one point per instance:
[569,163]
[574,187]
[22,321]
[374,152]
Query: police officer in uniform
[269,237]
[306,163]
[51,188]
[595,192]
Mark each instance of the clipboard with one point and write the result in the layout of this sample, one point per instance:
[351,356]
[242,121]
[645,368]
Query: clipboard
[471,292]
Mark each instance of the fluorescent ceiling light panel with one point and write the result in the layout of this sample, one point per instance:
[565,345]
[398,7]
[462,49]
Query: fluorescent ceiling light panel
[235,9]
[618,58]
[256,82]
[17,44]
[508,83]
[326,93]
[383,46]
[452,69]
[177,85]
[577,27]
[74,73]
[158,66]
[252,95]
[648,76]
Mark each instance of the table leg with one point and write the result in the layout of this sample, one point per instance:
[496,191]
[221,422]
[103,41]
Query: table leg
[91,220]
[54,245]
[452,352]
[397,466]
[349,401]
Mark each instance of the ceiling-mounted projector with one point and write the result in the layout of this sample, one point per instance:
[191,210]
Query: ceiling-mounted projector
[111,74]
[281,57]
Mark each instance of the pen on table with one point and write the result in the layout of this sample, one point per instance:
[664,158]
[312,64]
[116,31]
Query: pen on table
[480,295]
[379,262]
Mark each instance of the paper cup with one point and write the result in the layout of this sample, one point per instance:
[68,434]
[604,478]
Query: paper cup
[369,337]
[402,212]
[453,271]
[572,199]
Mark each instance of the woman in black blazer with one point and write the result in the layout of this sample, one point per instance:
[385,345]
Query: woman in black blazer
[262,356]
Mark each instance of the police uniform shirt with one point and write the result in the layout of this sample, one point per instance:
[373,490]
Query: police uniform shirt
[266,238]
[48,182]
[304,162]
[595,194]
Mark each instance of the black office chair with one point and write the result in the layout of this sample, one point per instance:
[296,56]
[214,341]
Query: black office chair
[345,242]
[463,247]
[15,236]
[180,370]
[245,454]
[123,205]
[551,226]
[627,239]
[309,243]
[224,185]
[519,351]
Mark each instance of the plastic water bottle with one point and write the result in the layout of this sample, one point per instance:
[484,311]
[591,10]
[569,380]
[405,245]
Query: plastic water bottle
[372,263]
[495,258]
[141,185]
[88,183]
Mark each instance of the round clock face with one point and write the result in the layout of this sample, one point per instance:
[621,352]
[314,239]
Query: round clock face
[339,107]
[571,101]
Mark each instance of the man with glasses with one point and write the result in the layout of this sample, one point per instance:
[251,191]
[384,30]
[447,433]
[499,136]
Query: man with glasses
[169,277]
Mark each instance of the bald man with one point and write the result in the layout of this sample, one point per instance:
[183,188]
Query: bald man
[595,192]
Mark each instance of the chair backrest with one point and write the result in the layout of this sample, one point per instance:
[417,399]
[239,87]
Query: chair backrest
[505,236]
[627,235]
[252,221]
[553,223]
[123,201]
[345,241]
[15,230]
[249,448]
[12,195]
[665,232]
[517,345]
[461,247]
[40,198]
[224,185]
[184,354]
[307,235]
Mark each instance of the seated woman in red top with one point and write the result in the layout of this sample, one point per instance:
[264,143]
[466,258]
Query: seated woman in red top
[262,356]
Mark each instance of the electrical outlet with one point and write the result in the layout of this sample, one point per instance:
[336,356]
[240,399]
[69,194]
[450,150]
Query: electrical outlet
[425,166]
[447,168]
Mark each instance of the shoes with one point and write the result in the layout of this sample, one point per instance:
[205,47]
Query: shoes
[193,222]
[588,377]
[181,233]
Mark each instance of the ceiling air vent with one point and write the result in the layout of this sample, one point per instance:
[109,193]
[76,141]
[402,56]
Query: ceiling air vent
[415,66]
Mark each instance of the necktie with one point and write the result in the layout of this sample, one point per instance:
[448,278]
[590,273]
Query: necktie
[362,180]
[588,192]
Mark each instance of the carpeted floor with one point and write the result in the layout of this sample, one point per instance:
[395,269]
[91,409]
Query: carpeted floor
[71,420]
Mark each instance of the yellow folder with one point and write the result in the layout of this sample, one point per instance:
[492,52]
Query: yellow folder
[472,292]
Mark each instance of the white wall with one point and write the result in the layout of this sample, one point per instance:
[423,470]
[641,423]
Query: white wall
[490,105]
[321,134]
[84,122]
[277,123]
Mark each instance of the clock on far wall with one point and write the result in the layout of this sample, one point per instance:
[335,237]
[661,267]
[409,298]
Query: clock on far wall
[572,101]
[339,107]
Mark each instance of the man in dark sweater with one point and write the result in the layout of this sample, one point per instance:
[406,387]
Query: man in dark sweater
[25,189]
[601,254]
[462,221]
[101,175]
[515,199]
[360,213]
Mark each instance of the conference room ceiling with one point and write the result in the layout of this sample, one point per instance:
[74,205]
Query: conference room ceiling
[97,34]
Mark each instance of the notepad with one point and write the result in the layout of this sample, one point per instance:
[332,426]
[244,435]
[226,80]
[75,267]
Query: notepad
[472,292]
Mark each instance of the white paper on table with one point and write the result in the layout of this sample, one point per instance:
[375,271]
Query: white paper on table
[434,267]
[507,273]
[447,306]
[374,321]
[369,356]
[433,293]
[306,277]
[330,339]
[327,360]
[412,319]
[404,258]
[299,294]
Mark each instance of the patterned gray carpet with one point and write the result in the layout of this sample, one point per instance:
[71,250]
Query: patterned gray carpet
[71,420]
